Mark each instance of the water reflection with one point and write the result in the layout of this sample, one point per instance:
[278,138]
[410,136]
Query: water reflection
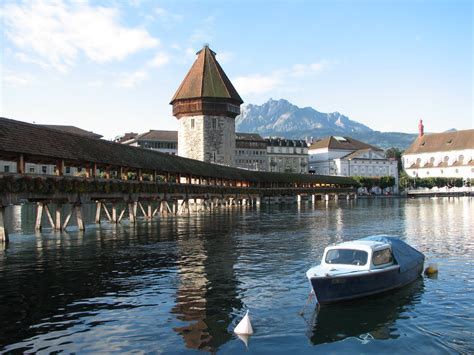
[369,318]
[207,291]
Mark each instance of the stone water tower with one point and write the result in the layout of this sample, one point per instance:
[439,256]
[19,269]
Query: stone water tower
[206,104]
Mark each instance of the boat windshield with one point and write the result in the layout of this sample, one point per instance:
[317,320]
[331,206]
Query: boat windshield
[346,257]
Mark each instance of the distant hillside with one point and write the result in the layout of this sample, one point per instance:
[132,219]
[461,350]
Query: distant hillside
[281,118]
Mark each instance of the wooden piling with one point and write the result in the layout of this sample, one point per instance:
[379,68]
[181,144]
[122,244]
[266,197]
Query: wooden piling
[3,229]
[39,215]
[57,223]
[98,206]
[80,220]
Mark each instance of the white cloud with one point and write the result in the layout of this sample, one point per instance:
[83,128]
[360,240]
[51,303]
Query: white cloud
[95,83]
[16,80]
[57,32]
[22,57]
[225,57]
[167,16]
[205,32]
[279,79]
[130,80]
[159,60]
[256,84]
[307,69]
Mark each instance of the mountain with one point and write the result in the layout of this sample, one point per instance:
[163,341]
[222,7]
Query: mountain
[282,118]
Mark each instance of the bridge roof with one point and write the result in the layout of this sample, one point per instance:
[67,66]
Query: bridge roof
[40,142]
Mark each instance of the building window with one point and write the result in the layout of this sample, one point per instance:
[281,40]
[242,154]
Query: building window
[192,123]
[32,170]
[68,170]
[6,168]
[44,168]
[214,123]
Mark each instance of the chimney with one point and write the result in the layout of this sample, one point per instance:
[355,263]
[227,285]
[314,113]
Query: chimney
[421,129]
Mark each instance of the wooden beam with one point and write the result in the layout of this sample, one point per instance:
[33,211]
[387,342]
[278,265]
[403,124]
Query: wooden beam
[20,164]
[60,167]
[68,217]
[50,218]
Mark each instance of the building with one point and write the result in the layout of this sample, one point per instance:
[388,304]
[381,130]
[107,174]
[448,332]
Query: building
[287,156]
[206,104]
[447,154]
[251,152]
[49,169]
[162,141]
[346,156]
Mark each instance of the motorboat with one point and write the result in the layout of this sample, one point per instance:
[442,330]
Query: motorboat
[364,267]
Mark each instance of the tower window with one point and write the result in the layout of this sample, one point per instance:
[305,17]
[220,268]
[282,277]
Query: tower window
[192,122]
[214,123]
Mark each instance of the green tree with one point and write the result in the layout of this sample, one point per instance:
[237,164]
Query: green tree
[395,153]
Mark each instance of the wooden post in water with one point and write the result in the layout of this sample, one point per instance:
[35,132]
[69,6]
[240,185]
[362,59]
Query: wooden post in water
[98,206]
[80,220]
[131,210]
[39,215]
[57,225]
[3,229]
[114,212]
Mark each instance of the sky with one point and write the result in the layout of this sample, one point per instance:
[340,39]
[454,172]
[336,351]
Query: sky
[113,66]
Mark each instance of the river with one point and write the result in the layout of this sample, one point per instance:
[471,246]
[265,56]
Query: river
[180,284]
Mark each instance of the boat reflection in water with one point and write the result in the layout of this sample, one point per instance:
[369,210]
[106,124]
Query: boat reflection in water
[369,318]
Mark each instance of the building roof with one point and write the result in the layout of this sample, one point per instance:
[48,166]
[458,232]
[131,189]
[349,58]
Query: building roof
[357,153]
[49,145]
[341,143]
[283,142]
[73,129]
[249,137]
[158,135]
[206,79]
[442,142]
[126,137]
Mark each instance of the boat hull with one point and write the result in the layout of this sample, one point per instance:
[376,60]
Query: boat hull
[331,289]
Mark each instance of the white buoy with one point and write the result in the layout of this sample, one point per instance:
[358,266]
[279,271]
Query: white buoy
[244,327]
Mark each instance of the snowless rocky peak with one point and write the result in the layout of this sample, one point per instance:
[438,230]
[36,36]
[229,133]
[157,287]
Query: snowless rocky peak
[280,117]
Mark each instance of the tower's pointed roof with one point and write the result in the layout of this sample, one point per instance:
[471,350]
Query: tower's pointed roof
[206,79]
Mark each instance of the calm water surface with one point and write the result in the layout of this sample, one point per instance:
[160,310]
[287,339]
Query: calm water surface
[181,284]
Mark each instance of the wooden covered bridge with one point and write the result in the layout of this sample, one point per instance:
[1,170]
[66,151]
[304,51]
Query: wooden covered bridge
[144,181]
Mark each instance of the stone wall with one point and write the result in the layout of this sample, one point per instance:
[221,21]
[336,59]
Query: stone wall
[207,138]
